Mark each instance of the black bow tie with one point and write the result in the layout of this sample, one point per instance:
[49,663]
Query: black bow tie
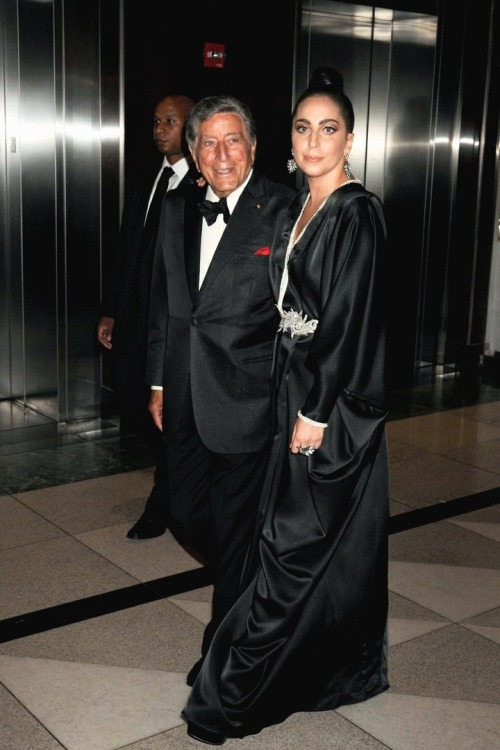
[210,210]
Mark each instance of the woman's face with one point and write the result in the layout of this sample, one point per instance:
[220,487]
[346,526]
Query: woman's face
[319,137]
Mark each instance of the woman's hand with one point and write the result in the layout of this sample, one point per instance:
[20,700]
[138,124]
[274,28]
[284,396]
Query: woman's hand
[306,436]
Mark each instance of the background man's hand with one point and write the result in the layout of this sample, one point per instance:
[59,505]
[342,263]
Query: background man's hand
[105,331]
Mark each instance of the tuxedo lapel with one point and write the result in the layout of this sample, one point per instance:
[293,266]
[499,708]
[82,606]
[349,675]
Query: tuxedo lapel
[140,207]
[146,189]
[189,178]
[242,222]
[192,240]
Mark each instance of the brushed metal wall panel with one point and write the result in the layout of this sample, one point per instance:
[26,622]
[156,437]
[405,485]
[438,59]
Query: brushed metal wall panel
[38,202]
[80,173]
[51,208]
[350,38]
[5,388]
[410,150]
[11,297]
[387,60]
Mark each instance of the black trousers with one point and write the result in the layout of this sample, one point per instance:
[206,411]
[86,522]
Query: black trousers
[132,396]
[213,505]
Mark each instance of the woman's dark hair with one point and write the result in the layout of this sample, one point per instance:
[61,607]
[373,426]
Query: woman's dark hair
[329,82]
[215,105]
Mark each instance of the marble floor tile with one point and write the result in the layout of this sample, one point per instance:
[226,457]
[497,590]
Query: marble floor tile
[200,610]
[493,634]
[322,730]
[489,617]
[94,707]
[20,525]
[484,455]
[454,592]
[114,677]
[488,530]
[400,630]
[413,722]
[156,635]
[489,514]
[488,413]
[91,707]
[41,439]
[144,559]
[106,501]
[445,542]
[20,729]
[53,572]
[450,662]
[396,508]
[430,479]
[65,463]
[403,608]
[13,416]
[442,431]
[203,594]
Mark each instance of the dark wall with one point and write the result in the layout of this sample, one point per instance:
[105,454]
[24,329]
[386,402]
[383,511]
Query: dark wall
[164,45]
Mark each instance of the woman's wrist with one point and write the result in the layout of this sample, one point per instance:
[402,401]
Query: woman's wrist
[311,421]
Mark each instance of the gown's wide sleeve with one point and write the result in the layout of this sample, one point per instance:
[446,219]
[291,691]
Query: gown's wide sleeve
[347,353]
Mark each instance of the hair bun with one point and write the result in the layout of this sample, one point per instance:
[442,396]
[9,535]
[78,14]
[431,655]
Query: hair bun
[326,79]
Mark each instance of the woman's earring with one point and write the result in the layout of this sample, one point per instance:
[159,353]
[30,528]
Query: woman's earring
[291,164]
[347,168]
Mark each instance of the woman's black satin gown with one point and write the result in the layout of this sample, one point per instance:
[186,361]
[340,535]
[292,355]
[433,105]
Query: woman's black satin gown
[308,632]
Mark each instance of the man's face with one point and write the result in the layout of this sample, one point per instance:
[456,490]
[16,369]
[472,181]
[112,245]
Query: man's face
[223,152]
[168,124]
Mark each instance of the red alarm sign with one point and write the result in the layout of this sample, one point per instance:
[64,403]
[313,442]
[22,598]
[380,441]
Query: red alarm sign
[214,55]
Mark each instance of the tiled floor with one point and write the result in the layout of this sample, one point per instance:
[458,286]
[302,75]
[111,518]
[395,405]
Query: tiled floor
[97,632]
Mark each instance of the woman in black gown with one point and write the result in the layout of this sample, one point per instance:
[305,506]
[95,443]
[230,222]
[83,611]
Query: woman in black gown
[308,632]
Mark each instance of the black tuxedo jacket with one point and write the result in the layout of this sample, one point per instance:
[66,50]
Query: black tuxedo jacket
[127,299]
[212,347]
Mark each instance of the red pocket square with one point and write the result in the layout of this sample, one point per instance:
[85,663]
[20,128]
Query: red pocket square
[263,251]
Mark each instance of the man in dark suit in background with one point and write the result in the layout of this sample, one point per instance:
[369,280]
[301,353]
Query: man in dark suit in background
[212,327]
[122,327]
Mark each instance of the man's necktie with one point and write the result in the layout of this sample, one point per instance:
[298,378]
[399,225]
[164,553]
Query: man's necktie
[153,217]
[210,210]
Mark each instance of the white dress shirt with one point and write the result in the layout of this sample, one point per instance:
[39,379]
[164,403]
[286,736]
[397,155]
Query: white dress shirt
[210,235]
[180,170]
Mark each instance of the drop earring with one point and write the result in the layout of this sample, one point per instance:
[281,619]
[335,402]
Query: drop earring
[291,164]
[347,168]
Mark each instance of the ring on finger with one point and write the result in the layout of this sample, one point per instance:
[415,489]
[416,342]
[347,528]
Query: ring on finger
[308,450]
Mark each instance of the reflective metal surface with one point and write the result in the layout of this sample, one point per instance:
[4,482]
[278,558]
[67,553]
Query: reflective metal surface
[387,59]
[425,91]
[66,144]
[11,329]
[38,200]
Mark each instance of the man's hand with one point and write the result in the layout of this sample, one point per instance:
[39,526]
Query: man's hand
[156,407]
[105,331]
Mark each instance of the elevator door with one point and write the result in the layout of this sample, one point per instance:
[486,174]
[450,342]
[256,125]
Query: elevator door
[62,139]
[387,59]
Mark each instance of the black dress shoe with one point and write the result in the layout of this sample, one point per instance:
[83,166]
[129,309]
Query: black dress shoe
[147,528]
[205,735]
[194,672]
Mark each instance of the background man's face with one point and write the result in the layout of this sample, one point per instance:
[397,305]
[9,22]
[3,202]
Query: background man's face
[168,124]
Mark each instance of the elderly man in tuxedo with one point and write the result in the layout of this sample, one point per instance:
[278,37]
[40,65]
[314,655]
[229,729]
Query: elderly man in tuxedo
[212,326]
[122,326]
